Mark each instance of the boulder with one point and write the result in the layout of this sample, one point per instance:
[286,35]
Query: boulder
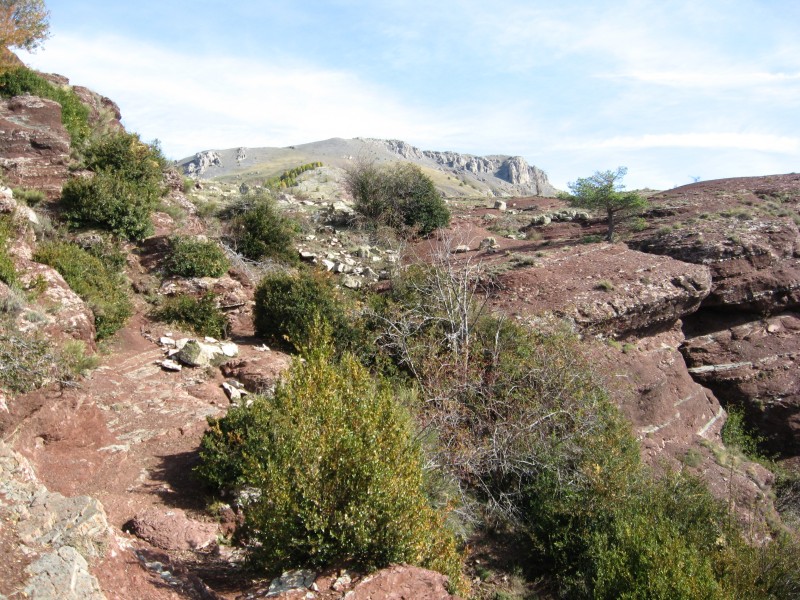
[56,534]
[172,530]
[194,353]
[258,373]
[402,581]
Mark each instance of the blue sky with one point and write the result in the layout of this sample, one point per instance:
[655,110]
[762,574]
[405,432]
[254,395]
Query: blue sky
[671,89]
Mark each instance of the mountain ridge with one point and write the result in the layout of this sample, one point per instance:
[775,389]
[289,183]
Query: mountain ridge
[455,173]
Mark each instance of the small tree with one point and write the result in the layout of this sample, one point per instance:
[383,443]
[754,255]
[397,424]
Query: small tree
[604,192]
[400,196]
[23,24]
[259,230]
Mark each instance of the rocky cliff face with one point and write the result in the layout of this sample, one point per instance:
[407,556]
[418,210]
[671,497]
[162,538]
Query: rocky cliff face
[201,163]
[522,179]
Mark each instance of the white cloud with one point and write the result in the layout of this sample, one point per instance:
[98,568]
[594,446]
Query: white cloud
[709,78]
[196,102]
[728,141]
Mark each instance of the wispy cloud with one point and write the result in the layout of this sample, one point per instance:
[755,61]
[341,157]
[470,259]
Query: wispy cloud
[728,141]
[194,102]
[710,78]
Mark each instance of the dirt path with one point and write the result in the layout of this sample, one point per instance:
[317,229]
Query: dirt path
[127,435]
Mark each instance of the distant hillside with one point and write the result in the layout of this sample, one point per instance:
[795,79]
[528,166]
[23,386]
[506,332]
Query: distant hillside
[455,174]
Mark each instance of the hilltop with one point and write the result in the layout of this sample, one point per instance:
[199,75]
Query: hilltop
[456,175]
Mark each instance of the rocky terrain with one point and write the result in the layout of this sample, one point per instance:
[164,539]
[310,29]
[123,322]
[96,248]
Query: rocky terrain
[693,310]
[457,175]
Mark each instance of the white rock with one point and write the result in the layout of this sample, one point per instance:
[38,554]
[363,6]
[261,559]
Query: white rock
[170,365]
[229,349]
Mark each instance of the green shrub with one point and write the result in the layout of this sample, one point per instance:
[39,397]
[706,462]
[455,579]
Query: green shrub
[28,196]
[591,239]
[124,191]
[192,257]
[639,224]
[127,156]
[26,361]
[401,196]
[74,361]
[338,475]
[737,435]
[201,315]
[74,114]
[661,542]
[8,272]
[260,231]
[108,202]
[106,292]
[288,178]
[287,307]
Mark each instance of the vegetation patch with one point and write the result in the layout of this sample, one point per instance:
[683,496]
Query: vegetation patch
[26,361]
[74,114]
[106,292]
[259,231]
[124,190]
[28,196]
[8,272]
[337,471]
[193,257]
[288,178]
[400,196]
[288,309]
[201,315]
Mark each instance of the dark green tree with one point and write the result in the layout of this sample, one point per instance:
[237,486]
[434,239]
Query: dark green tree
[604,192]
[400,196]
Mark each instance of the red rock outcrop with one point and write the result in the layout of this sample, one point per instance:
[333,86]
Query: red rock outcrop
[605,288]
[742,229]
[755,365]
[34,146]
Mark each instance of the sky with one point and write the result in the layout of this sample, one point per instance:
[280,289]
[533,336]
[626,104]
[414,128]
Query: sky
[674,90]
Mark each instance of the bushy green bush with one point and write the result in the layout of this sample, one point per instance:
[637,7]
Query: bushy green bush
[106,292]
[74,114]
[259,231]
[201,315]
[108,202]
[27,361]
[192,257]
[8,272]
[338,475]
[28,196]
[737,435]
[124,191]
[287,307]
[400,196]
